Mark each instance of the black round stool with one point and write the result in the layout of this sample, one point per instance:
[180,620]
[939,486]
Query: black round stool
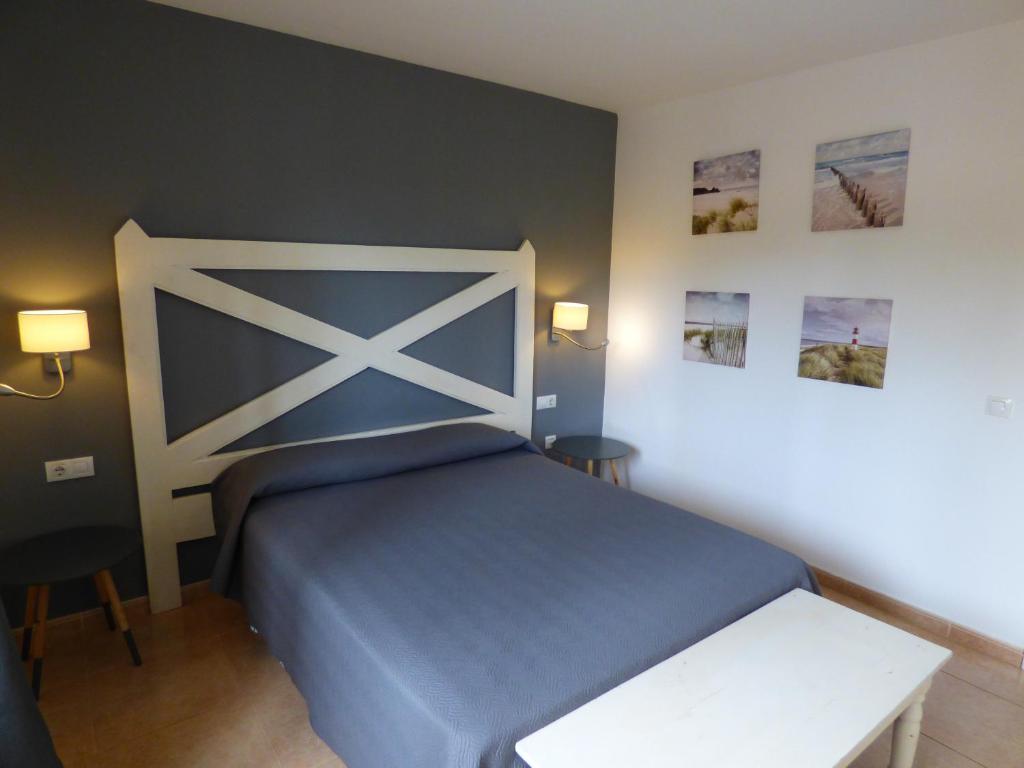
[71,553]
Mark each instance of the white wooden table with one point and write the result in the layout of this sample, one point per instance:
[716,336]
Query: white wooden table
[801,683]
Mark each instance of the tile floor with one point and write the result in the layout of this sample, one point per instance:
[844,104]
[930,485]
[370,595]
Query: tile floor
[209,694]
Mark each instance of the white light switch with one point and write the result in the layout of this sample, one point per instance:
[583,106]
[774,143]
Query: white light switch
[1000,407]
[69,469]
[546,401]
[549,440]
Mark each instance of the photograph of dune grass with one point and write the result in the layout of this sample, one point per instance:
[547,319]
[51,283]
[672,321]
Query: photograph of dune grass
[862,182]
[845,340]
[715,328]
[725,193]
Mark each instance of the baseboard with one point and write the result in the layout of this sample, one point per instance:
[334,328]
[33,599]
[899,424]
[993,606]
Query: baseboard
[924,620]
[189,592]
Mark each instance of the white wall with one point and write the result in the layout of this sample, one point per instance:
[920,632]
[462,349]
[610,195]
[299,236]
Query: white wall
[911,490]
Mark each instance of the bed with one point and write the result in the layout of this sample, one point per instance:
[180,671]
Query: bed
[439,594]
[435,587]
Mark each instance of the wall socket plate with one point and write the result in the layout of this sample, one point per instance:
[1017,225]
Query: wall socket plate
[549,440]
[69,469]
[1000,407]
[547,401]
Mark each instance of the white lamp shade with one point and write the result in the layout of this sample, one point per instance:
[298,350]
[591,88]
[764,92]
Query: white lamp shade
[53,330]
[570,316]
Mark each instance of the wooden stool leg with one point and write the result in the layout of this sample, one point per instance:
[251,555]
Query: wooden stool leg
[590,466]
[568,461]
[39,637]
[30,618]
[615,472]
[104,601]
[122,621]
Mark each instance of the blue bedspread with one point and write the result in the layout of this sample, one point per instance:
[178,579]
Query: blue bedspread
[433,616]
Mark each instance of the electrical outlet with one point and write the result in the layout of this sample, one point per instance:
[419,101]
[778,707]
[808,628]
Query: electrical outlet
[1000,407]
[549,440]
[546,401]
[69,469]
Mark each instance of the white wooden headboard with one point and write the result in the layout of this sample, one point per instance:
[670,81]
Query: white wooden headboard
[145,264]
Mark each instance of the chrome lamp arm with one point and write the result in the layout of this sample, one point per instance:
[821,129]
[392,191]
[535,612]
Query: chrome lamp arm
[556,332]
[9,391]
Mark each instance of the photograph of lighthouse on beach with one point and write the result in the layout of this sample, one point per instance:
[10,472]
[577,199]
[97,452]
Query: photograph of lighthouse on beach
[725,192]
[715,328]
[861,182]
[845,340]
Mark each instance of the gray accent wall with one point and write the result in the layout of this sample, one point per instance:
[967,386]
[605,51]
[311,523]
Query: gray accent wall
[198,127]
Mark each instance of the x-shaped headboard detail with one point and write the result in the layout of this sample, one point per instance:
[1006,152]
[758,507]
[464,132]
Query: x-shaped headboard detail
[170,264]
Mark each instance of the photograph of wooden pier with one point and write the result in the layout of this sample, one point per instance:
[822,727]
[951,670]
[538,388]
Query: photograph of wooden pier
[862,182]
[845,340]
[725,193]
[715,328]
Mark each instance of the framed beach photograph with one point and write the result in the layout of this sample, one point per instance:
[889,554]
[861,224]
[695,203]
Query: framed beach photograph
[861,183]
[845,340]
[725,193]
[715,328]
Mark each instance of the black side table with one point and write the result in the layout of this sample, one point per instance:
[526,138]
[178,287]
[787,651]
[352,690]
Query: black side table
[61,556]
[593,449]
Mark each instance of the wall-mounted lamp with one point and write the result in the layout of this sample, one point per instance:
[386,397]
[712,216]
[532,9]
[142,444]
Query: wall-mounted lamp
[54,333]
[570,316]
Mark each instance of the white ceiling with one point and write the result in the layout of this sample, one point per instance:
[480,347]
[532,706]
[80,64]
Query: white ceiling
[616,54]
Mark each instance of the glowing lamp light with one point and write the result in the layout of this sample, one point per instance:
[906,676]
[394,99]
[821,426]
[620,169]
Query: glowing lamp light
[55,334]
[571,316]
[53,330]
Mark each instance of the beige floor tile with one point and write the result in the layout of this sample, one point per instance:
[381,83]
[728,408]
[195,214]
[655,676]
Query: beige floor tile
[190,593]
[144,700]
[63,661]
[930,754]
[296,744]
[220,613]
[987,673]
[948,707]
[80,657]
[967,664]
[242,642]
[975,723]
[272,691]
[71,726]
[75,758]
[331,762]
[159,645]
[220,737]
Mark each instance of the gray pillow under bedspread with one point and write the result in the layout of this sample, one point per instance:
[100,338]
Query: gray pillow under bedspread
[432,618]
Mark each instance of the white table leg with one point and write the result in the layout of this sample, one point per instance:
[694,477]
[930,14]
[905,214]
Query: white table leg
[907,731]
